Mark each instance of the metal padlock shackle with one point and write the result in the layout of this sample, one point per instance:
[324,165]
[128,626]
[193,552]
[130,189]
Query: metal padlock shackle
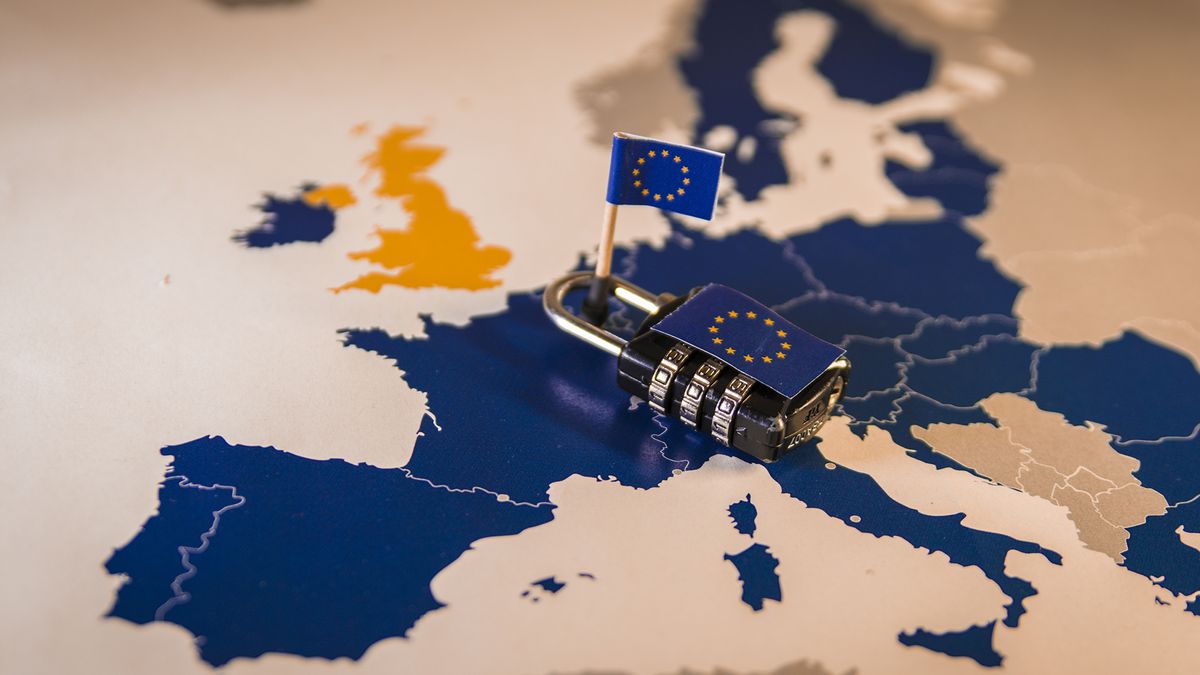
[634,296]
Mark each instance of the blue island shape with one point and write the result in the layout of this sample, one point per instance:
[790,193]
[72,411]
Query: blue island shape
[287,220]
[756,570]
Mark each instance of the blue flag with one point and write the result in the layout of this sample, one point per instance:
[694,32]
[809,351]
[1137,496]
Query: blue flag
[676,178]
[751,338]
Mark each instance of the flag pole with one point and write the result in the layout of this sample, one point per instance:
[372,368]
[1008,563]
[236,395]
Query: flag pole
[595,306]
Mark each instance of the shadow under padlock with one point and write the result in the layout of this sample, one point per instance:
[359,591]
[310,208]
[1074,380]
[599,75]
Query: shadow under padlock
[692,377]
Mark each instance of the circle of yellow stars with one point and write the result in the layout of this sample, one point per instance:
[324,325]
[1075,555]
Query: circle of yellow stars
[639,175]
[719,342]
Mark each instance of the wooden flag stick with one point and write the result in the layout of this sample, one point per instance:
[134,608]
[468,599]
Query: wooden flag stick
[595,307]
[604,253]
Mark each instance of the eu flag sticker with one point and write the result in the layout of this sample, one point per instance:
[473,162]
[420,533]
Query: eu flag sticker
[668,176]
[750,337]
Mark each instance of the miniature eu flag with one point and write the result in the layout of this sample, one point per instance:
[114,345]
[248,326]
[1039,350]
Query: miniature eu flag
[751,338]
[677,178]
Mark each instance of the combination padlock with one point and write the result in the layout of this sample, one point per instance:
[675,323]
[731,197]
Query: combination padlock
[717,361]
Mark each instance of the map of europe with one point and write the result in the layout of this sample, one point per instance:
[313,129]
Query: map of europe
[249,565]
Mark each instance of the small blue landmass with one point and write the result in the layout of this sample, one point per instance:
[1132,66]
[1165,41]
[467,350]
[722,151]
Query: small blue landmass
[744,515]
[287,220]
[550,584]
[756,570]
[973,643]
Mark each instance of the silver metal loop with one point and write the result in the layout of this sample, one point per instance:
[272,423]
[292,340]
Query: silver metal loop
[634,296]
[696,390]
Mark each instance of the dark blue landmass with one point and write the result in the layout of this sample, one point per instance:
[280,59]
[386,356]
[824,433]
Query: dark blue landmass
[998,365]
[878,406]
[877,365]
[747,261]
[932,266]
[744,514]
[1169,467]
[287,220]
[151,560]
[756,570]
[935,340]
[958,177]
[324,558]
[835,318]
[1155,550]
[863,62]
[1137,389]
[974,643]
[550,584]
[521,405]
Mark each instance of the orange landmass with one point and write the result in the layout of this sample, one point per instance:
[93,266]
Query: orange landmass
[334,196]
[440,246]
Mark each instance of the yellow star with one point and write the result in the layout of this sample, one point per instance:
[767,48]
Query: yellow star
[680,191]
[730,350]
[749,359]
[637,183]
[665,154]
[637,171]
[670,197]
[652,153]
[713,329]
[719,319]
[657,198]
[733,315]
[684,169]
[785,345]
[781,333]
[717,341]
[641,160]
[751,315]
[687,181]
[769,322]
[645,192]
[780,355]
[677,160]
[766,359]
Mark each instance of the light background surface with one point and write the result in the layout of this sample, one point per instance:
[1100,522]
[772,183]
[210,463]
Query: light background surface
[135,138]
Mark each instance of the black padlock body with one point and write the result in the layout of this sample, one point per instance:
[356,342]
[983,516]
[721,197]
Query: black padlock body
[766,426]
